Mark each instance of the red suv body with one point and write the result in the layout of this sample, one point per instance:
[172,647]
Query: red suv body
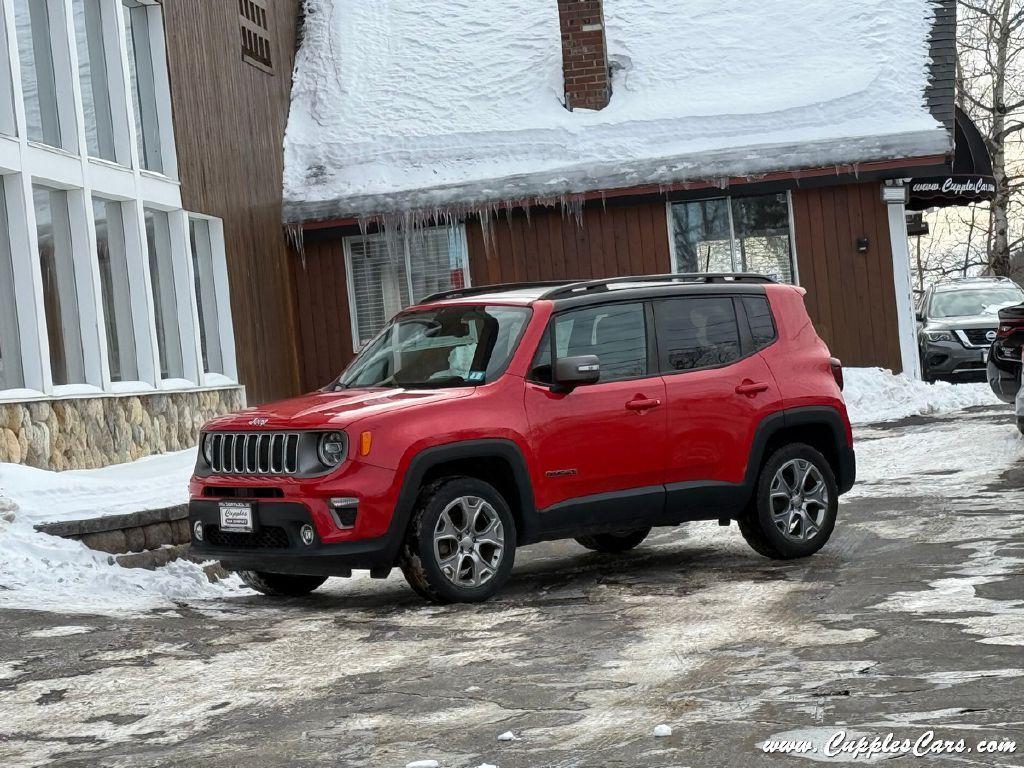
[452,439]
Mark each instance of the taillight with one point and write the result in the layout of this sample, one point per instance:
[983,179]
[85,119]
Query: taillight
[837,372]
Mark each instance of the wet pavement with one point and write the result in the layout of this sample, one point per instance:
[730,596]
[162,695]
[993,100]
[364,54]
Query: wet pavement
[910,620]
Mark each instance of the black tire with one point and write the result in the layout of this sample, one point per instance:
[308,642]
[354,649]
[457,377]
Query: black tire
[281,584]
[614,543]
[419,561]
[1020,424]
[757,524]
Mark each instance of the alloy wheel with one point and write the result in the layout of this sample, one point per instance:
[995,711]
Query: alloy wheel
[799,500]
[469,541]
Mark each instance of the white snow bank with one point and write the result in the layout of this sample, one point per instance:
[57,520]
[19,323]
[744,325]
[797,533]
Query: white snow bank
[150,483]
[874,394]
[400,105]
[42,572]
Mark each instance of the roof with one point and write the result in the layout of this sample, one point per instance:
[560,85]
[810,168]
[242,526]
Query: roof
[402,107]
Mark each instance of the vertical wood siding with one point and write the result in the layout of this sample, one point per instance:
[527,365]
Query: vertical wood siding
[229,120]
[325,325]
[850,296]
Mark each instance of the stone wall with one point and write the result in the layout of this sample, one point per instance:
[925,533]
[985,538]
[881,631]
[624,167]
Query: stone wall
[85,433]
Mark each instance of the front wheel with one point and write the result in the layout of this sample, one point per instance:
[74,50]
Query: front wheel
[461,542]
[281,584]
[614,543]
[794,510]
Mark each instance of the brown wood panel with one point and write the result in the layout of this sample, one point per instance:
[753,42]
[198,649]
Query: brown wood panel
[229,121]
[851,297]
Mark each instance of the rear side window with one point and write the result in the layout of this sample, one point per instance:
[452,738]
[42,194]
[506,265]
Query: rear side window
[696,332]
[759,317]
[616,333]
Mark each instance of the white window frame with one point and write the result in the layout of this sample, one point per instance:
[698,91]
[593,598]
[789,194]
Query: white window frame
[461,241]
[222,290]
[794,269]
[24,163]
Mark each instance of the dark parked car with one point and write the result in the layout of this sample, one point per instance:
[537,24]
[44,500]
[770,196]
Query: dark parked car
[1004,365]
[958,322]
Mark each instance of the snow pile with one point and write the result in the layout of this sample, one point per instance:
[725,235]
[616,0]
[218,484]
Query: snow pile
[874,394]
[42,572]
[400,106]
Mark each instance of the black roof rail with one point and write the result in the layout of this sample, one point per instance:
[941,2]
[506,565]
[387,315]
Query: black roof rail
[477,290]
[575,289]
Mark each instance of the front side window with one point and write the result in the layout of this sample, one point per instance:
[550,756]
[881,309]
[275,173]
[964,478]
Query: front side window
[616,333]
[165,299]
[93,75]
[699,332]
[388,273]
[38,78]
[139,27]
[112,252]
[443,347]
[207,301]
[60,293]
[737,234]
[11,376]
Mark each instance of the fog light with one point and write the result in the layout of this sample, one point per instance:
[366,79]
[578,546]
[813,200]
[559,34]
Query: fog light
[197,530]
[307,534]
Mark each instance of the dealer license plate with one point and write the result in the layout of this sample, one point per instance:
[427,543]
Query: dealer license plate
[236,516]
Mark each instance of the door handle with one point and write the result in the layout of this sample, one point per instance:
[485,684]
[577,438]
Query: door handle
[642,404]
[751,388]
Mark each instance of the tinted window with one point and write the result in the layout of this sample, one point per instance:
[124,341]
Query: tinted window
[616,333]
[696,333]
[759,317]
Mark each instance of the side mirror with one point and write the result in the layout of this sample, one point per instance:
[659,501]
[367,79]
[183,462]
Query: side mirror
[572,372]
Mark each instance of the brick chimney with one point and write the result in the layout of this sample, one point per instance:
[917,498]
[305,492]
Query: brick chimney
[584,54]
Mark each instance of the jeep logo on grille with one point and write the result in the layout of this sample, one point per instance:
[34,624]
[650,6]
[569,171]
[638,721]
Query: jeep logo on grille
[991,335]
[258,422]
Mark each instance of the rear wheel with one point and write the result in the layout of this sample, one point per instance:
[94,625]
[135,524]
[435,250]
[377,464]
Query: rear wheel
[281,584]
[794,510]
[1020,424]
[614,543]
[461,542]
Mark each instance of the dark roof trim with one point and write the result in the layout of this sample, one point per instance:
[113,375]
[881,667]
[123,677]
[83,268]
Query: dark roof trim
[941,91]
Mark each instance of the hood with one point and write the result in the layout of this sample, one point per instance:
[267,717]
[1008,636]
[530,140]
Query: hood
[331,409]
[962,323]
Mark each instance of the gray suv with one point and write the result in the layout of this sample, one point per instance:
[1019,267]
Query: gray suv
[957,322]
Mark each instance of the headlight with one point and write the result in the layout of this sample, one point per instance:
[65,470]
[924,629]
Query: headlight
[939,336]
[332,448]
[206,442]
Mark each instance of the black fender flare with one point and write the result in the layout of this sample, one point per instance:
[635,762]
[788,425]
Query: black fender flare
[818,416]
[428,458]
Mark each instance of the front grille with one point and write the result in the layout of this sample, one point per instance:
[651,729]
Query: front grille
[253,453]
[978,337]
[223,492]
[267,537]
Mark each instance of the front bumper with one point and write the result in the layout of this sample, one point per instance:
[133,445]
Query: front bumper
[275,545]
[952,360]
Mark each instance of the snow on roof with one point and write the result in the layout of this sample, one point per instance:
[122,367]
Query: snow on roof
[401,106]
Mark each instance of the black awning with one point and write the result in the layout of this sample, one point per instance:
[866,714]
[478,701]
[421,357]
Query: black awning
[970,179]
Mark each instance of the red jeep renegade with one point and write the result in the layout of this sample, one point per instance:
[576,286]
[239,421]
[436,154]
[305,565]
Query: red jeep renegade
[485,419]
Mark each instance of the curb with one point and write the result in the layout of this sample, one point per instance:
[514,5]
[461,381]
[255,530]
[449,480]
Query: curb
[137,532]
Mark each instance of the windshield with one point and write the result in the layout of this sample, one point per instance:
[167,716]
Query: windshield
[443,347]
[976,301]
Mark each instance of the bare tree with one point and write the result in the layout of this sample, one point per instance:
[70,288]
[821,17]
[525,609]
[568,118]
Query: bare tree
[991,90]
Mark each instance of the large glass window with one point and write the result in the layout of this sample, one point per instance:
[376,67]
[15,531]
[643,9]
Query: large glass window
[60,293]
[92,72]
[740,234]
[138,24]
[696,333]
[38,82]
[206,295]
[11,376]
[8,126]
[165,299]
[387,274]
[112,252]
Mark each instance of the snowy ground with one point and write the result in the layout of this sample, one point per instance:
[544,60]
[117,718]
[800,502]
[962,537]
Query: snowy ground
[910,619]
